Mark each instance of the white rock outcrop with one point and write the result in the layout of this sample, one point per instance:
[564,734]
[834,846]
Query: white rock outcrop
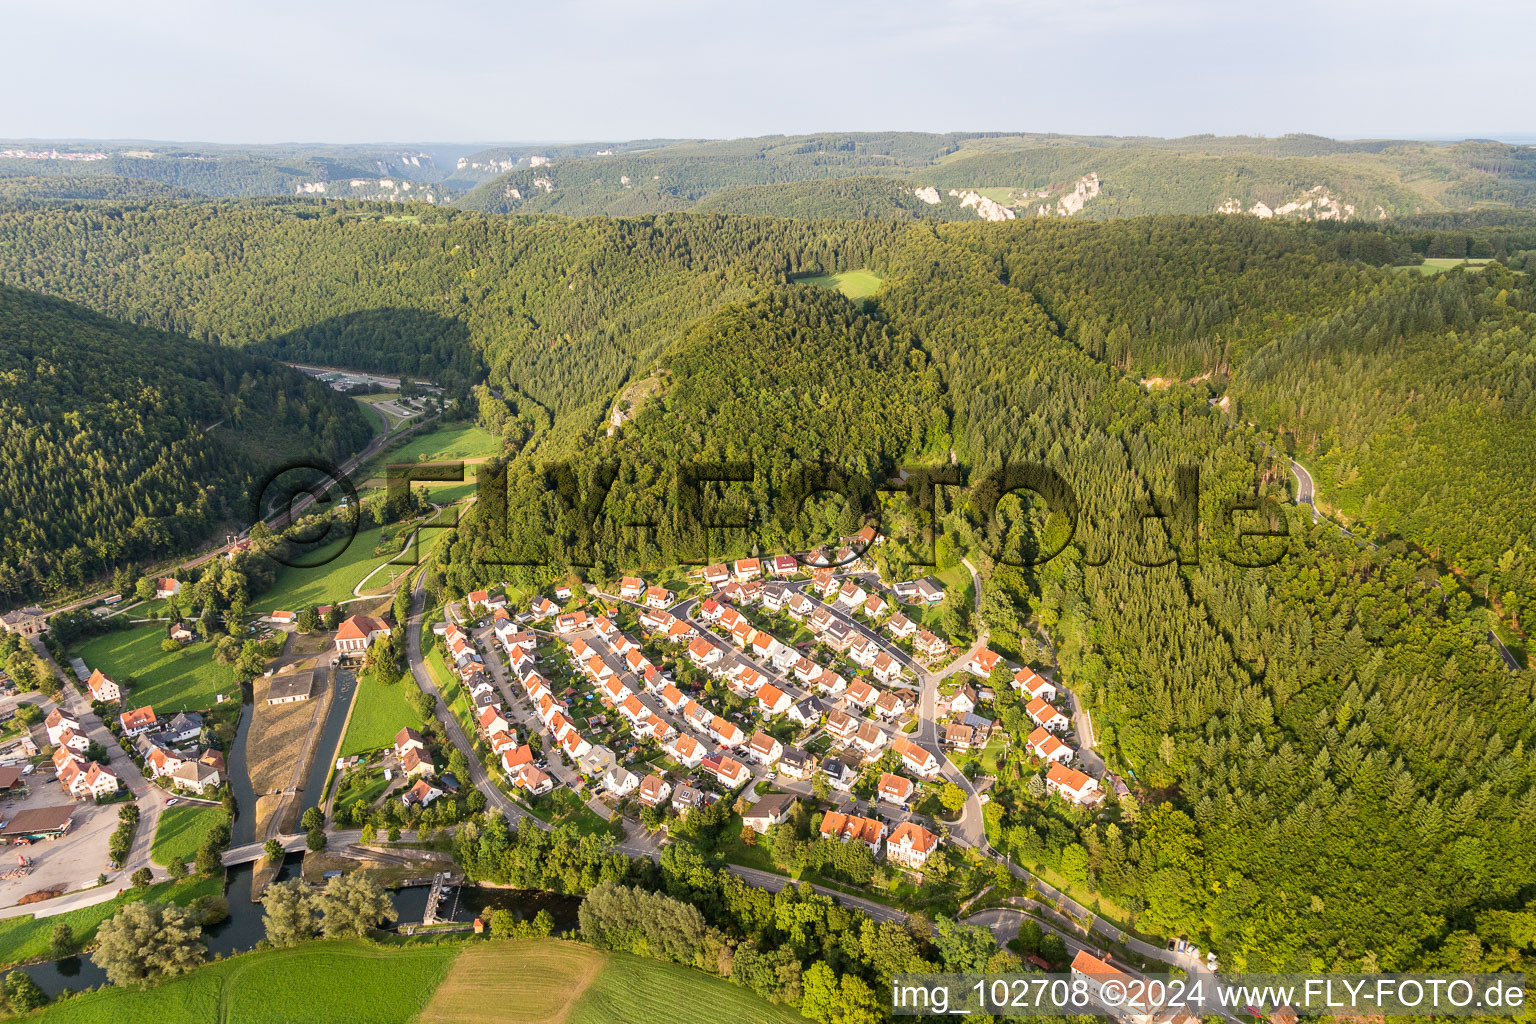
[928,194]
[986,209]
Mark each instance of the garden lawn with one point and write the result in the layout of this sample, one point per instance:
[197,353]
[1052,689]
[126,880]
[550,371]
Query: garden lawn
[183,831]
[314,983]
[187,680]
[25,938]
[378,713]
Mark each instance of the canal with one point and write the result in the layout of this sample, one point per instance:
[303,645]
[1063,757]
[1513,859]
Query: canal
[243,929]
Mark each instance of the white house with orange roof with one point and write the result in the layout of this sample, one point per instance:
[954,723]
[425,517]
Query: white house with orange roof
[1042,743]
[103,689]
[631,587]
[910,845]
[685,750]
[657,597]
[983,662]
[764,749]
[703,653]
[358,632]
[748,569]
[1041,713]
[894,789]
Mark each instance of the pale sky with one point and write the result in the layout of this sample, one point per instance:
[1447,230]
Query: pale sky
[478,70]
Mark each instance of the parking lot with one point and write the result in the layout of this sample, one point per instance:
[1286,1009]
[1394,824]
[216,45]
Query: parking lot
[71,861]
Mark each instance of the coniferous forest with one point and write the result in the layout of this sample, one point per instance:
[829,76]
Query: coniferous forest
[1336,770]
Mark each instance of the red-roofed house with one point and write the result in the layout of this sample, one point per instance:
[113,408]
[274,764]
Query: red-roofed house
[910,845]
[784,565]
[748,568]
[764,749]
[1043,744]
[1072,785]
[654,790]
[894,789]
[1041,713]
[630,587]
[773,700]
[103,689]
[983,662]
[703,653]
[139,720]
[358,632]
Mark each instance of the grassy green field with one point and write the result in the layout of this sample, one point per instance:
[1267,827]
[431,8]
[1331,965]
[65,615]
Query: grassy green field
[320,982]
[339,567]
[187,680]
[182,832]
[25,938]
[528,982]
[378,712]
[445,443]
[855,284]
[1438,265]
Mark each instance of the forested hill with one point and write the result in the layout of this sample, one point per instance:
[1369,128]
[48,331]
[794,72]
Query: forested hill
[121,443]
[1000,176]
[1332,766]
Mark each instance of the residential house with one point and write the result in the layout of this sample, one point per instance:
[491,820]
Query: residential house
[181,633]
[543,608]
[768,811]
[657,597]
[88,780]
[928,592]
[571,623]
[806,712]
[962,702]
[807,671]
[137,721]
[851,596]
[161,761]
[57,723]
[959,737]
[929,645]
[686,751]
[686,798]
[422,794]
[846,827]
[983,662]
[631,587]
[654,790]
[774,596]
[784,565]
[562,593]
[184,727]
[831,684]
[748,569]
[763,748]
[515,758]
[196,776]
[841,725]
[620,781]
[876,606]
[716,575]
[103,690]
[672,698]
[1041,713]
[730,772]
[479,599]
[840,774]
[710,611]
[416,762]
[799,606]
[725,732]
[534,780]
[1072,785]
[864,651]
[167,586]
[773,701]
[408,739]
[1030,683]
[916,758]
[900,627]
[1042,743]
[910,845]
[894,789]
[861,694]
[656,621]
[703,653]
[492,722]
[795,763]
[869,738]
[889,706]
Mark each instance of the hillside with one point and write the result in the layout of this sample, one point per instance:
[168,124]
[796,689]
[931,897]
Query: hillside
[1335,725]
[1020,176]
[122,443]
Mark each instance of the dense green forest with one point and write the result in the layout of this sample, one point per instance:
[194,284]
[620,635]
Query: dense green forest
[1332,765]
[122,443]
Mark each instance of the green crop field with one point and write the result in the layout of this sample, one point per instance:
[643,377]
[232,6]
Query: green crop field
[186,680]
[378,713]
[182,832]
[631,988]
[25,938]
[493,983]
[855,284]
[320,982]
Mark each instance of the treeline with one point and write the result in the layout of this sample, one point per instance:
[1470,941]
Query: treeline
[795,946]
[122,444]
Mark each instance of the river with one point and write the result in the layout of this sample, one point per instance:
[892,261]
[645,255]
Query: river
[243,929]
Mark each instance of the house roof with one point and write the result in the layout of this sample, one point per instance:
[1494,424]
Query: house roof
[360,627]
[770,806]
[137,718]
[913,834]
[898,785]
